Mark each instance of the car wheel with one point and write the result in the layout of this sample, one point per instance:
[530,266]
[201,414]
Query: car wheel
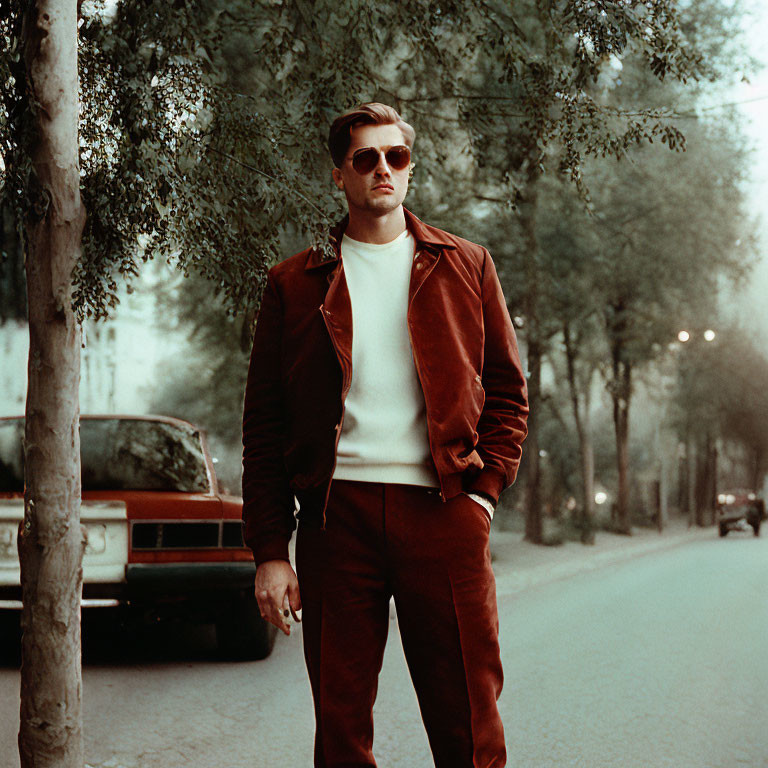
[241,633]
[756,528]
[723,529]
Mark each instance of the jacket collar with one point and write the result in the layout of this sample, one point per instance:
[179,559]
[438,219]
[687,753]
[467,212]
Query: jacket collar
[426,237]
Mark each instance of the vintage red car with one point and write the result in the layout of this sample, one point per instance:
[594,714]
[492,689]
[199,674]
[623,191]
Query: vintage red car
[161,538]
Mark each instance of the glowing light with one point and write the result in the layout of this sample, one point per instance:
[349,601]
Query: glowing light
[683,336]
[709,335]
[601,497]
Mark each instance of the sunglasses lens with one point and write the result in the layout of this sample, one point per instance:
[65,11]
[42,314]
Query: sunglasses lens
[398,157]
[365,160]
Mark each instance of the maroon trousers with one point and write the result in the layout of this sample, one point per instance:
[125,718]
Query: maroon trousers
[384,540]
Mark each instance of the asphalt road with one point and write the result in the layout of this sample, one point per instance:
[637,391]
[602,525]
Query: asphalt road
[657,661]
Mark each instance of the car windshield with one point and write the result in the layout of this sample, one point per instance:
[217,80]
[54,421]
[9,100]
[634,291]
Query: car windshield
[119,454]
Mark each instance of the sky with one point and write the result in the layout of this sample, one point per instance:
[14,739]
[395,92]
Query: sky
[755,111]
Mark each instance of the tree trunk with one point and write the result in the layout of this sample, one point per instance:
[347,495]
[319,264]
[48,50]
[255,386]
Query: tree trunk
[51,541]
[682,476]
[534,528]
[534,525]
[691,470]
[656,504]
[706,468]
[588,481]
[756,475]
[620,393]
[586,452]
[700,484]
[712,492]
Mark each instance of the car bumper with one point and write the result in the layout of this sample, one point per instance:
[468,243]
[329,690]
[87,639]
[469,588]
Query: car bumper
[149,584]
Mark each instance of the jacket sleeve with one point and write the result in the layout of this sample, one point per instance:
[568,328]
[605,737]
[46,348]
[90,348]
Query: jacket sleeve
[502,425]
[268,502]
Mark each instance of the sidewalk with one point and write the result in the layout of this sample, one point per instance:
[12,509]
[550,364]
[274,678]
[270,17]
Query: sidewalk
[519,565]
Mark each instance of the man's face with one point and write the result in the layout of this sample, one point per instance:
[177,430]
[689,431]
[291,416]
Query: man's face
[381,190]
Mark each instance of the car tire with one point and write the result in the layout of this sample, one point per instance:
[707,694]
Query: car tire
[756,528]
[723,529]
[241,633]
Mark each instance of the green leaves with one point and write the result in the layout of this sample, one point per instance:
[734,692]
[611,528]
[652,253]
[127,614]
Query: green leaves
[203,124]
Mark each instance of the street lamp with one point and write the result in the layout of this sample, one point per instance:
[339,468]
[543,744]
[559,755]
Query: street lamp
[683,336]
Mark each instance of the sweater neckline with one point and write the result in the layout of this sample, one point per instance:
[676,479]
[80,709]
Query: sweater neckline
[359,244]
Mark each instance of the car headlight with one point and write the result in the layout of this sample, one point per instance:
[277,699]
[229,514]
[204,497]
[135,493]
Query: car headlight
[8,533]
[96,539]
[721,498]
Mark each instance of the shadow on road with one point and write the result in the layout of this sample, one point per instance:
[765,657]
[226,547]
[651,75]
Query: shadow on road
[112,638]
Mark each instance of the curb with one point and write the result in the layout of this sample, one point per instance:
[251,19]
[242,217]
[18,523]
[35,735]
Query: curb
[513,577]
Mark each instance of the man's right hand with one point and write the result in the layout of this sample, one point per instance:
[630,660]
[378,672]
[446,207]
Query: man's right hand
[277,589]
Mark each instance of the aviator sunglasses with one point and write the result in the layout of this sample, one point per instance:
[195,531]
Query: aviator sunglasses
[365,160]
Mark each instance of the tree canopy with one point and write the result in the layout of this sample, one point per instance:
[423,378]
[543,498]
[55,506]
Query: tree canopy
[203,123]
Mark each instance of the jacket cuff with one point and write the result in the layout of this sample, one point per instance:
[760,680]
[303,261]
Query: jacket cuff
[275,548]
[490,483]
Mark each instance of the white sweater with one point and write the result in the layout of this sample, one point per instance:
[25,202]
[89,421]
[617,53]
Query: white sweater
[384,436]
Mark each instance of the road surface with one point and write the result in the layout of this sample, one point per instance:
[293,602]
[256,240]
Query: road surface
[657,661]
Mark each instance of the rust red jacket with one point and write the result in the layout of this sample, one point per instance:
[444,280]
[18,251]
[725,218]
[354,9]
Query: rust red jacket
[466,358]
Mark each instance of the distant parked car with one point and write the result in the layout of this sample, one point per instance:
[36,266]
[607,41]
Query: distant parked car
[738,510]
[161,539]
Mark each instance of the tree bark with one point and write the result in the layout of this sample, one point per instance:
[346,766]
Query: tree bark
[712,492]
[756,475]
[586,452]
[51,540]
[682,475]
[621,393]
[700,484]
[706,482]
[691,473]
[534,527]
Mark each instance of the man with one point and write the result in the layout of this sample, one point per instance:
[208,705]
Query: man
[396,438]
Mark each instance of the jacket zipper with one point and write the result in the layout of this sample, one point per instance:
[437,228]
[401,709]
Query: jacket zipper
[339,426]
[418,374]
